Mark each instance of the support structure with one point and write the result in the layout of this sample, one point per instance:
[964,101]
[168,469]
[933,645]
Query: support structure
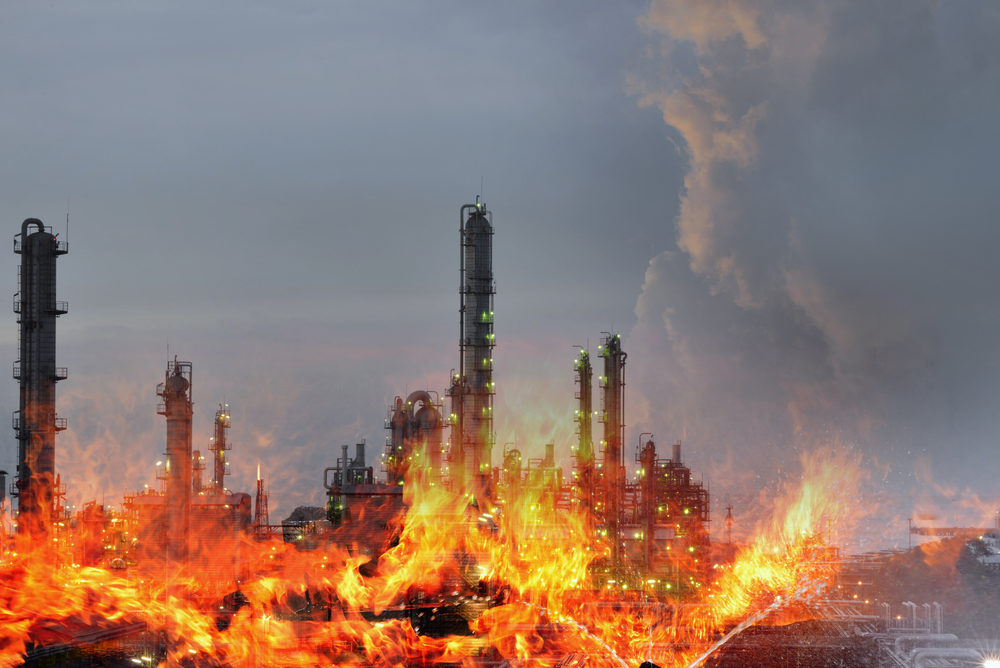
[473,387]
[177,407]
[35,421]
[261,519]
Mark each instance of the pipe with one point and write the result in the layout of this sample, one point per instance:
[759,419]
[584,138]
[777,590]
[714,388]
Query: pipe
[919,658]
[344,462]
[418,395]
[910,641]
[31,221]
[326,477]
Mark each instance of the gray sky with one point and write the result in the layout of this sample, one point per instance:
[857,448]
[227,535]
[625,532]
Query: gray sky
[785,209]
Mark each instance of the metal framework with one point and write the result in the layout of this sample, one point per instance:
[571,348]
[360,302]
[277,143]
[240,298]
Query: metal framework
[261,517]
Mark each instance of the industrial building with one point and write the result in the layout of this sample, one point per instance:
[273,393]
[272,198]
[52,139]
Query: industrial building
[649,529]
[655,525]
[187,524]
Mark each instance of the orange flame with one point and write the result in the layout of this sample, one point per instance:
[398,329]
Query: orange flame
[520,572]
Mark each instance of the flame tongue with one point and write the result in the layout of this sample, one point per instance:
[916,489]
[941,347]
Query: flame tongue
[518,575]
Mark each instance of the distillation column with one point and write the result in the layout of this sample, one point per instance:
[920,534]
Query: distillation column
[35,420]
[613,417]
[473,388]
[584,450]
[647,458]
[175,392]
[219,445]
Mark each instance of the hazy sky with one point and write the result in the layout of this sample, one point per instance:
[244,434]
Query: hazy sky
[785,208]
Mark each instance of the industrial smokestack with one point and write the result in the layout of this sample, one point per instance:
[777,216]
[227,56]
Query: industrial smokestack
[175,392]
[359,455]
[35,420]
[677,452]
[614,434]
[584,413]
[584,454]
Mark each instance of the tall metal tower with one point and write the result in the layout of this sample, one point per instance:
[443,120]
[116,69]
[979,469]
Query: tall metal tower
[219,445]
[197,466]
[35,420]
[261,519]
[584,450]
[177,407]
[613,417]
[3,497]
[473,387]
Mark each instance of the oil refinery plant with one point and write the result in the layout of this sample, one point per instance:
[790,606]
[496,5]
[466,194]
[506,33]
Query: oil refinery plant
[432,549]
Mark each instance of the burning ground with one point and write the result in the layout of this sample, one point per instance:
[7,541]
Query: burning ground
[445,588]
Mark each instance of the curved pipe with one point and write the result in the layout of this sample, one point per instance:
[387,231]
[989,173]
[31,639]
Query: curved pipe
[906,643]
[31,221]
[419,395]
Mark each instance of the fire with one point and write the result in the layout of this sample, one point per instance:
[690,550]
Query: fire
[520,571]
[790,556]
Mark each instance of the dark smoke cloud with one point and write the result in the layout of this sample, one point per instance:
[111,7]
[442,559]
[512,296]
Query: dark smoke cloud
[835,274]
